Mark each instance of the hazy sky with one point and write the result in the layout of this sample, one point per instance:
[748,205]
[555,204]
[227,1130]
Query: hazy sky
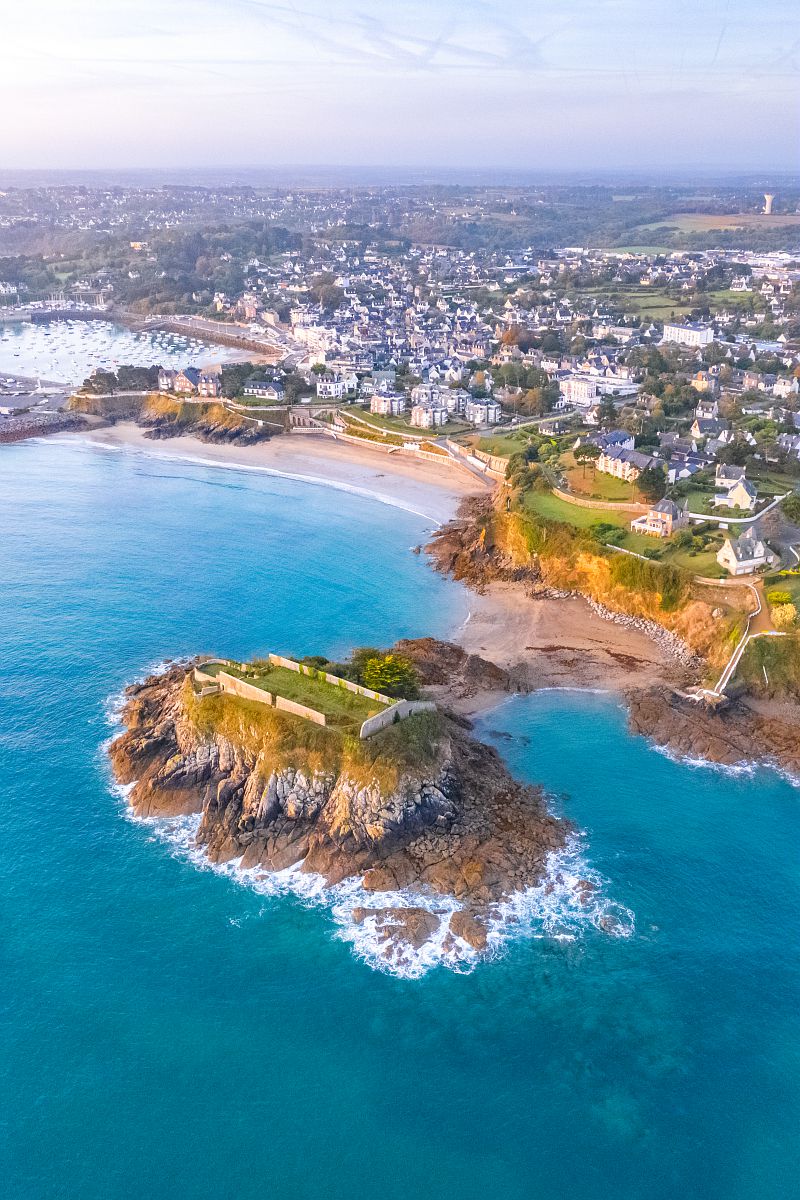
[527,83]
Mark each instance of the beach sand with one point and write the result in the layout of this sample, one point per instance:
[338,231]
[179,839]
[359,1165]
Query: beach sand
[416,485]
[553,643]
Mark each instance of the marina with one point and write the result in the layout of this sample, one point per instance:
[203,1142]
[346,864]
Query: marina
[65,352]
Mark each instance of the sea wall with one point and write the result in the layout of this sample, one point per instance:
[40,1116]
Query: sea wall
[403,708]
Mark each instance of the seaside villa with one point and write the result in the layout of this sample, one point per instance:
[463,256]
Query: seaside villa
[745,555]
[661,520]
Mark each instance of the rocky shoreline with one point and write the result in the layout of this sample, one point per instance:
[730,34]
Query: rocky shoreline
[455,824]
[733,734]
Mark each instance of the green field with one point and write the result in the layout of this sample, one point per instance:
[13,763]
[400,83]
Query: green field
[707,222]
[341,707]
[546,505]
[702,562]
[398,425]
[647,302]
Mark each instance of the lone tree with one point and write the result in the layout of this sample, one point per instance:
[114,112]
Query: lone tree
[391,674]
[587,453]
[652,484]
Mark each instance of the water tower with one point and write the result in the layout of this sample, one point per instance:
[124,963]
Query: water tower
[768,198]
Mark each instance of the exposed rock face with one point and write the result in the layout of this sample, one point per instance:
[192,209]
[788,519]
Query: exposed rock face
[206,429]
[734,733]
[462,549]
[445,665]
[460,825]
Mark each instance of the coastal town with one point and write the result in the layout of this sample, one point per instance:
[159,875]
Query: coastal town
[661,381]
[646,397]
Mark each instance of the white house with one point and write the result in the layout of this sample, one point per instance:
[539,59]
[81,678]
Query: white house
[579,391]
[265,389]
[688,334]
[330,387]
[745,554]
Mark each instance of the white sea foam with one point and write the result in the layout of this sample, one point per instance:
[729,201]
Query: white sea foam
[744,768]
[253,468]
[567,904]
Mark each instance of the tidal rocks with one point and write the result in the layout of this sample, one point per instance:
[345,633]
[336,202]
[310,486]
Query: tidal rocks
[731,734]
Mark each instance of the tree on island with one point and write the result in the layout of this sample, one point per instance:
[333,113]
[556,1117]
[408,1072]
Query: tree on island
[392,675]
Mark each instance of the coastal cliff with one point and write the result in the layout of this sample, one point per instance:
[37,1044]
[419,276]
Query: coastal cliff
[165,416]
[421,808]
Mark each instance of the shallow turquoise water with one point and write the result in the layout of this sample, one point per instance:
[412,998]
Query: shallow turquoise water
[167,1032]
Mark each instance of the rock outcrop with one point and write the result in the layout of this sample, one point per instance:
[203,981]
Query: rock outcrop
[735,732]
[448,821]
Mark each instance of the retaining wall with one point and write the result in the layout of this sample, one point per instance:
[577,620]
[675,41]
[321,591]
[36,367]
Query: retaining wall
[300,710]
[232,686]
[614,505]
[403,708]
[239,687]
[278,661]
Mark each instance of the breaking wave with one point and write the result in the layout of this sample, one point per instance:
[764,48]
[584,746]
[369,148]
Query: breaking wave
[568,903]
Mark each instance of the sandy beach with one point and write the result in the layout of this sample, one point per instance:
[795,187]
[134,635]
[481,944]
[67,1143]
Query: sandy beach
[544,642]
[548,643]
[413,484]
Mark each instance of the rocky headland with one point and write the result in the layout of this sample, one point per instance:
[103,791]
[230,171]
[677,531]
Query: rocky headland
[421,808]
[162,417]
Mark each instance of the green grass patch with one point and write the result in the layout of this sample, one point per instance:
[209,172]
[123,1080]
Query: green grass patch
[342,708]
[552,508]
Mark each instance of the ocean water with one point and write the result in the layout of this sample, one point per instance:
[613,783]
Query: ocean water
[168,1031]
[68,351]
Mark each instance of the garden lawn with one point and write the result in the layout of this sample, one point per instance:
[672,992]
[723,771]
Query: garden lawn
[596,485]
[341,707]
[546,505]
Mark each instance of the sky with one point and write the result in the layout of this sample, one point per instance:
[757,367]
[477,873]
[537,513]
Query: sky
[557,84]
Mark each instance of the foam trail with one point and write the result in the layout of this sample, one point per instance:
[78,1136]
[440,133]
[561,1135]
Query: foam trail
[254,468]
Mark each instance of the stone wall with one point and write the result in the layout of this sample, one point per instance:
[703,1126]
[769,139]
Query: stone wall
[300,710]
[335,680]
[396,710]
[403,708]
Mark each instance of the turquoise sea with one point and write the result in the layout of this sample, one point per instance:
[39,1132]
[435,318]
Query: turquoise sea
[168,1032]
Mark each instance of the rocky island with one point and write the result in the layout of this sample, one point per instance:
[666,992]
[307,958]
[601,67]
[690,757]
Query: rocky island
[395,793]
